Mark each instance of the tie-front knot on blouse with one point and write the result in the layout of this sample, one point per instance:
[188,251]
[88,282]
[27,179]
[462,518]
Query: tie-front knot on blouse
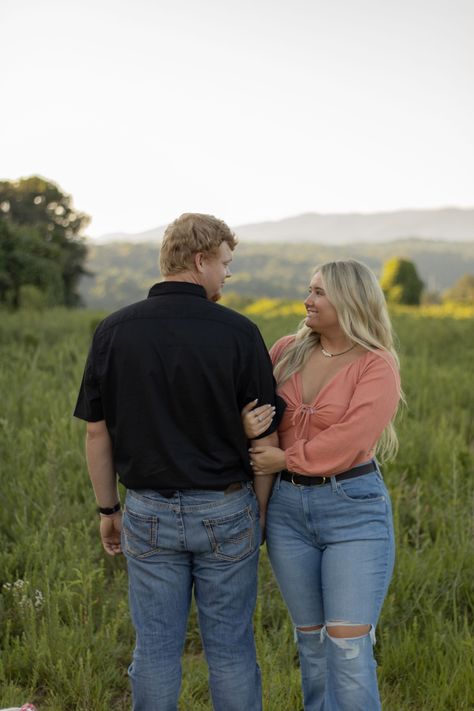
[300,418]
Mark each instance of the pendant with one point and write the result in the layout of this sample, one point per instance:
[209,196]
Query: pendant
[332,355]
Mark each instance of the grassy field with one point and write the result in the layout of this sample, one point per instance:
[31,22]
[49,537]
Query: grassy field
[65,635]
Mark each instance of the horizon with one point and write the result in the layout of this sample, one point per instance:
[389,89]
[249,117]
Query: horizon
[307,213]
[253,112]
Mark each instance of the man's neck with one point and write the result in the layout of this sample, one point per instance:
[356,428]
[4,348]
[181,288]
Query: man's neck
[188,276]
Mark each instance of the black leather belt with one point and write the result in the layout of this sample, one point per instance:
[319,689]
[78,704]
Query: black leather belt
[302,480]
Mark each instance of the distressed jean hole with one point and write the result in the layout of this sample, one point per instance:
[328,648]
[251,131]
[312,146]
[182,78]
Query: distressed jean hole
[348,631]
[313,628]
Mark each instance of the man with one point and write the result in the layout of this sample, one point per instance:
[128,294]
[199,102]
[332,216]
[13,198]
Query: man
[164,384]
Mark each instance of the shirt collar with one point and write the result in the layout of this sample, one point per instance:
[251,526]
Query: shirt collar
[177,287]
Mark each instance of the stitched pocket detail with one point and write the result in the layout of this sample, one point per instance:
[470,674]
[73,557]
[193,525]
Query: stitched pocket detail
[140,534]
[367,488]
[232,537]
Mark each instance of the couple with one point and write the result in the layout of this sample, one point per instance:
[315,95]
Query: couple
[170,393]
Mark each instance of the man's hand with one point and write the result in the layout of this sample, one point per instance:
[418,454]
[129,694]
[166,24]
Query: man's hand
[110,527]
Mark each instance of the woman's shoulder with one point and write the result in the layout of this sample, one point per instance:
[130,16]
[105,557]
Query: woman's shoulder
[382,361]
[279,346]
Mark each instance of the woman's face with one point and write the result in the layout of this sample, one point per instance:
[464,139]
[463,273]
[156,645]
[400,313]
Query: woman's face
[321,314]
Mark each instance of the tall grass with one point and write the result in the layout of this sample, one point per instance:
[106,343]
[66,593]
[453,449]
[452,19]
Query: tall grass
[66,638]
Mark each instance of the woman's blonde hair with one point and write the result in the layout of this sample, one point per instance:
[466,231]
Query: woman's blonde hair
[189,234]
[353,290]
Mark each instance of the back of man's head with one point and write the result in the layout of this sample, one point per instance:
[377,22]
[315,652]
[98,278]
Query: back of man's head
[191,233]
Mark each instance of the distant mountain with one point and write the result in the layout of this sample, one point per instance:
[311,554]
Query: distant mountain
[451,224]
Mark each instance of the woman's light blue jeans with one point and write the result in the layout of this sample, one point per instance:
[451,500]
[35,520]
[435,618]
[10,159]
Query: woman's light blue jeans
[332,551]
[209,541]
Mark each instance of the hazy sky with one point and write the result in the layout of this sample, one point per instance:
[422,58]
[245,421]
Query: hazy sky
[248,109]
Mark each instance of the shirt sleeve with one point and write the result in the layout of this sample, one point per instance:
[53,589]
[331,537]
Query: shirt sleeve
[276,351]
[89,402]
[260,383]
[353,438]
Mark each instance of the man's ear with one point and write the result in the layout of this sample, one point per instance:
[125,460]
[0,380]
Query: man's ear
[199,262]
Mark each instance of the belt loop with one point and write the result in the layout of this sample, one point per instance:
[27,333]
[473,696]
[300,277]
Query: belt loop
[277,481]
[377,467]
[333,481]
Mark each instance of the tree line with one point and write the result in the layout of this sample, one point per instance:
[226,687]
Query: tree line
[43,260]
[42,249]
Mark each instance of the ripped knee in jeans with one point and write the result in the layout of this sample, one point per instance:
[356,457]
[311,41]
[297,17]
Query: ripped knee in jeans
[348,636]
[312,628]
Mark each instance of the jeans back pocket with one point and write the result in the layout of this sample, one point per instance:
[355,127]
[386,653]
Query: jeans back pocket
[140,534]
[232,537]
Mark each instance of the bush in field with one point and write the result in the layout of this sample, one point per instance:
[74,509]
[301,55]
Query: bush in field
[463,290]
[400,282]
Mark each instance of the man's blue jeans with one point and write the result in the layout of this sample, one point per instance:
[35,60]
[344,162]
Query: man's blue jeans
[332,551]
[208,540]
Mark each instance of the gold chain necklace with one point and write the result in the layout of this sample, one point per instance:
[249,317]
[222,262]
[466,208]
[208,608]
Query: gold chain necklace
[333,355]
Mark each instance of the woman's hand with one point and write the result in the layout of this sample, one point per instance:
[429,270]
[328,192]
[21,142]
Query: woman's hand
[267,460]
[256,420]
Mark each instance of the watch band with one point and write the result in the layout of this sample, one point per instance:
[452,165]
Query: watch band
[109,511]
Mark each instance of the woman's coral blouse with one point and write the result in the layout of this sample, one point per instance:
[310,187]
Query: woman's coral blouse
[340,428]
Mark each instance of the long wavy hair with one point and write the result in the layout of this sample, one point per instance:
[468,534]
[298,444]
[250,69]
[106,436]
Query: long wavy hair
[353,290]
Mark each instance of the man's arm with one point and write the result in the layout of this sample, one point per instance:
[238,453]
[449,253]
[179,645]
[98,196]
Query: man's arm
[104,482]
[263,484]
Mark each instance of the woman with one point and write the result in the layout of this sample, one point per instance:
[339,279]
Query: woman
[329,522]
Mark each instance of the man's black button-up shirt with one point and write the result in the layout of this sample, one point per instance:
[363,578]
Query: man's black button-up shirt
[170,375]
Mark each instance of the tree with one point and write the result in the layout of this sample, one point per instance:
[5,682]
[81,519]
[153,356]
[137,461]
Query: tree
[26,259]
[40,238]
[400,281]
[462,291]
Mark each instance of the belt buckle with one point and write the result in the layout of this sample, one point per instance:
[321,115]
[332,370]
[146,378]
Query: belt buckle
[321,483]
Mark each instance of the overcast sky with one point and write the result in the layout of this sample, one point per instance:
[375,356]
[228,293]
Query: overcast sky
[248,109]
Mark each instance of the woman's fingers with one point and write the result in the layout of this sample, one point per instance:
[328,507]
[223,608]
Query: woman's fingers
[263,412]
[257,419]
[248,408]
[257,449]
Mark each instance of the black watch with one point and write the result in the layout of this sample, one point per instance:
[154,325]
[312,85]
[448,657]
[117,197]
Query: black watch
[109,511]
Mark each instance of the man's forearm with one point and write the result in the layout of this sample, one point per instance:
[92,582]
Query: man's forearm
[263,484]
[100,464]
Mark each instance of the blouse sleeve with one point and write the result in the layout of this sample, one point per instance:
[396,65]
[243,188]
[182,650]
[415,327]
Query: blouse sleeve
[353,438]
[276,351]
